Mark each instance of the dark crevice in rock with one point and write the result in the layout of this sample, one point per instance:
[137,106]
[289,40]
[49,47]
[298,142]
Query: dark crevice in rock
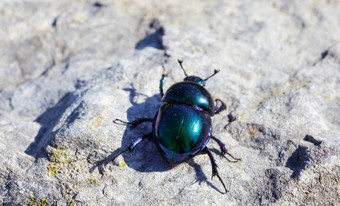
[324,54]
[67,63]
[299,21]
[80,83]
[153,38]
[10,102]
[310,138]
[55,21]
[95,7]
[98,4]
[307,157]
[298,161]
[44,73]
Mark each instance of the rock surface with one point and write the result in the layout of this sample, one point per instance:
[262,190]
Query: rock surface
[68,68]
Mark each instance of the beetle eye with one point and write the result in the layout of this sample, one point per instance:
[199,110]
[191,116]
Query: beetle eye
[202,83]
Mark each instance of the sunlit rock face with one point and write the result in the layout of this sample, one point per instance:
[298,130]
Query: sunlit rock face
[69,68]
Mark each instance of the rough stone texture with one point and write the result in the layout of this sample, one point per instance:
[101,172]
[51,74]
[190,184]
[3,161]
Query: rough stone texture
[68,68]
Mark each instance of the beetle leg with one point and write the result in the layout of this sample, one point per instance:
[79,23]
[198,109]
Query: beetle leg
[220,108]
[224,149]
[137,141]
[132,146]
[161,84]
[134,123]
[214,167]
[115,154]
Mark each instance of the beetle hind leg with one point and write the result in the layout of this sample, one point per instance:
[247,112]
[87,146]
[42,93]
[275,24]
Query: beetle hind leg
[214,167]
[134,123]
[224,150]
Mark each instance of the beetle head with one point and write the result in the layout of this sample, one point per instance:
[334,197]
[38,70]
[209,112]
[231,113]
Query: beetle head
[196,79]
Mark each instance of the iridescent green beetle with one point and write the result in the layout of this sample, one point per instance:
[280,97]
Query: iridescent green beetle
[182,127]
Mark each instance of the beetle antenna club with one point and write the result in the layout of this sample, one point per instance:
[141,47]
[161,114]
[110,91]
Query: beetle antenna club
[180,64]
[215,72]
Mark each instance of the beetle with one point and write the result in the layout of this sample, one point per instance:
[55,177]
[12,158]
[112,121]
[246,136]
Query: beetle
[182,126]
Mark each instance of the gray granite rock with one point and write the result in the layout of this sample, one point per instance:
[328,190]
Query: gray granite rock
[69,68]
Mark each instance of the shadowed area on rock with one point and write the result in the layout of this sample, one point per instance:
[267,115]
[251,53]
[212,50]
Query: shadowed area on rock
[48,120]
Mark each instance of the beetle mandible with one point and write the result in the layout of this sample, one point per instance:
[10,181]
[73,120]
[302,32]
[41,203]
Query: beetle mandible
[182,127]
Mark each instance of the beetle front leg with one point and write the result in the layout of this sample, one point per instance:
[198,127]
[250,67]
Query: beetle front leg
[220,108]
[214,167]
[134,123]
[115,154]
[132,146]
[224,149]
[161,84]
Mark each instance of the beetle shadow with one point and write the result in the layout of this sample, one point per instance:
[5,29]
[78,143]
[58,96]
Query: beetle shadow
[201,177]
[218,155]
[145,157]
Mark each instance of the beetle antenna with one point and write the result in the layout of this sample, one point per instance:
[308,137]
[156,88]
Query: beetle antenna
[180,64]
[215,72]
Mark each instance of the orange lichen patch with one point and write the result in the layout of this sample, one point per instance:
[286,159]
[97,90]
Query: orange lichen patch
[99,122]
[252,131]
[277,93]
